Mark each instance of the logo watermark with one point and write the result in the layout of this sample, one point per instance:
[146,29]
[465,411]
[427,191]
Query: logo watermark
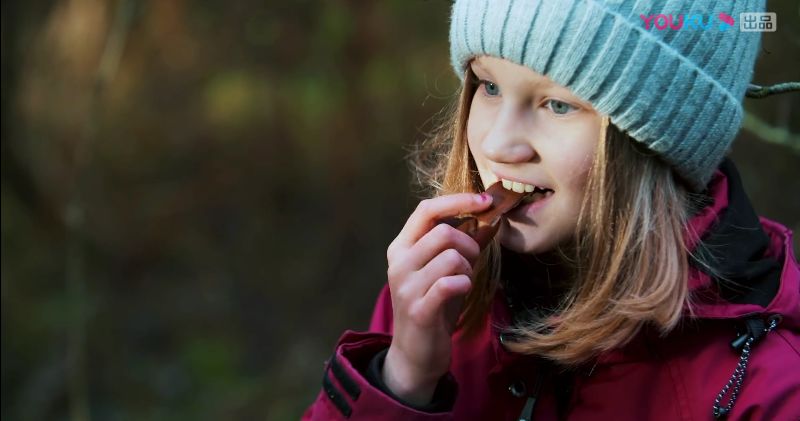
[758,22]
[748,22]
[722,21]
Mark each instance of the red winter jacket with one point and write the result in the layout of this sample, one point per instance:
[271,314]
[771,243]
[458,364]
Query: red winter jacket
[677,377]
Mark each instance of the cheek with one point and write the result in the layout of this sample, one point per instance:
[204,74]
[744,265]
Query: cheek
[580,156]
[579,164]
[478,125]
[472,135]
[475,134]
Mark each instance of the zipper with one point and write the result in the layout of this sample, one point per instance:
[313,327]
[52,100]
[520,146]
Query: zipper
[530,403]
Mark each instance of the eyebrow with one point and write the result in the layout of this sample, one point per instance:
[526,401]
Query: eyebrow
[478,65]
[540,82]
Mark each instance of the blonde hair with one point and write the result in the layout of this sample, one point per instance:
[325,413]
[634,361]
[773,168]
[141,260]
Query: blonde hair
[629,259]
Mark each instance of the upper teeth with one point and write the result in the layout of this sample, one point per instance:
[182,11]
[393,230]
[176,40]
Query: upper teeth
[518,187]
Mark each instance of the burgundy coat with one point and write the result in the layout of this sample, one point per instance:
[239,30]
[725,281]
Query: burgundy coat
[677,377]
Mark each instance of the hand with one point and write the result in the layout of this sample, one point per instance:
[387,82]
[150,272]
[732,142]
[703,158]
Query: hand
[430,273]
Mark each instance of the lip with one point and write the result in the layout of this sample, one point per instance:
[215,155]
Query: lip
[529,210]
[519,180]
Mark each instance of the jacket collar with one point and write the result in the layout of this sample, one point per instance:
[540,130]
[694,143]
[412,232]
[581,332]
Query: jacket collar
[755,270]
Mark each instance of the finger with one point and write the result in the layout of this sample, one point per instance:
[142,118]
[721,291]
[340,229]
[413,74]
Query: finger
[442,292]
[429,211]
[447,263]
[440,238]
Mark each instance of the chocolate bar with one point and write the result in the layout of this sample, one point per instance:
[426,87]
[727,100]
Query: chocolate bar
[483,226]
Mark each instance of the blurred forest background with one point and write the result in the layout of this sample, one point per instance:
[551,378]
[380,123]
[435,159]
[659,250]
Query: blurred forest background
[197,196]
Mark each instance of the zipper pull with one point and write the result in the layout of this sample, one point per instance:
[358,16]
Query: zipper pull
[754,330]
[527,411]
[530,403]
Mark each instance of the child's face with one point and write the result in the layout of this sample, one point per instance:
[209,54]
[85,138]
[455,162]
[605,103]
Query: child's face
[522,127]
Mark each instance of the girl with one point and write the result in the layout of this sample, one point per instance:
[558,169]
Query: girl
[641,285]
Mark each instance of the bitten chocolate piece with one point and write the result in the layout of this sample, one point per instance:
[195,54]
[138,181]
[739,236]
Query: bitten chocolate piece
[483,226]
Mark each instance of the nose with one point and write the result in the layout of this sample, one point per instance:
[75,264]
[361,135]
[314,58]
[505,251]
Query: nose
[509,139]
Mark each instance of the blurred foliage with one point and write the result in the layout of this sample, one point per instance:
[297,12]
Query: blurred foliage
[197,196]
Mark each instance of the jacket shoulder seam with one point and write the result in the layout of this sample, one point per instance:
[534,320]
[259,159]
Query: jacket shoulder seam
[788,343]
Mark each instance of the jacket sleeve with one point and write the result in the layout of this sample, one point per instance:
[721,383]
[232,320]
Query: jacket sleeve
[350,391]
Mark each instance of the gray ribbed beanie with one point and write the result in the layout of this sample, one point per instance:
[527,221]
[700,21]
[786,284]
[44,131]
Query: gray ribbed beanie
[677,91]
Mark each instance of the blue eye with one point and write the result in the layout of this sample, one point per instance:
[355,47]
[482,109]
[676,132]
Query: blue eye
[490,88]
[559,107]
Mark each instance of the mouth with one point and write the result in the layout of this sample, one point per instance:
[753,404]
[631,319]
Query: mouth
[484,225]
[531,193]
[535,196]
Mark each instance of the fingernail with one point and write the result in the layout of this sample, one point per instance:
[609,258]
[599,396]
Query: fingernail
[483,198]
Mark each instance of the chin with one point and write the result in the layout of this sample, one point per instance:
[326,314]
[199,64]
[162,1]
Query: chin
[526,239]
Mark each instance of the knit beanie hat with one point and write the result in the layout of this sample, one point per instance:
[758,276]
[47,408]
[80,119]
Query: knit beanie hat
[670,73]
